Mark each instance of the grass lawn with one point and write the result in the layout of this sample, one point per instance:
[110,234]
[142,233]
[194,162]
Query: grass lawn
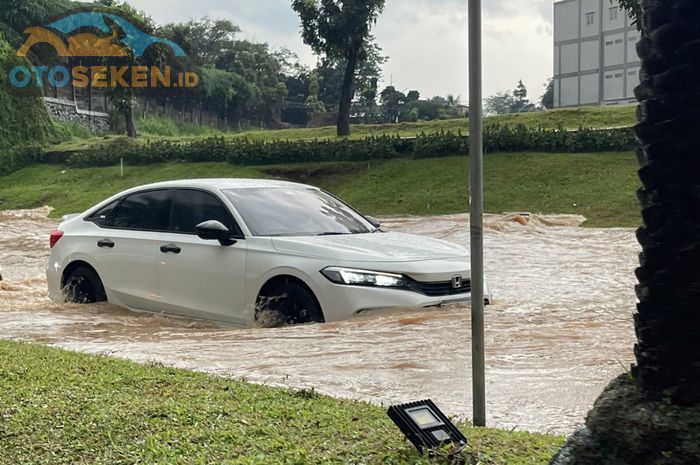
[569,118]
[600,186]
[59,407]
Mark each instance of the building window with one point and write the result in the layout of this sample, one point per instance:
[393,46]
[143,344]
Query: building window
[618,41]
[608,76]
[631,73]
[590,18]
[609,42]
[613,13]
[618,75]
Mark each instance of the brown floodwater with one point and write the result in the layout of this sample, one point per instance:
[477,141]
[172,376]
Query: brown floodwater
[559,330]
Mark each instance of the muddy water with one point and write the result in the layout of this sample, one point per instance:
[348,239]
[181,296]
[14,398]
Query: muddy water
[560,329]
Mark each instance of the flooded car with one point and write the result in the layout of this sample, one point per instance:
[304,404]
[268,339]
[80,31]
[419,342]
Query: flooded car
[236,251]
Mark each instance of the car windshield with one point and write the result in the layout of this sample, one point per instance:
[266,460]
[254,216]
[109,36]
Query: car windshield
[296,211]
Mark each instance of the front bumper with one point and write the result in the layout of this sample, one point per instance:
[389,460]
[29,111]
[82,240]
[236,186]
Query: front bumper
[341,302]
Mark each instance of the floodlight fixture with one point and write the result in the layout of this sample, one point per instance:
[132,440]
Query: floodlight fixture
[425,426]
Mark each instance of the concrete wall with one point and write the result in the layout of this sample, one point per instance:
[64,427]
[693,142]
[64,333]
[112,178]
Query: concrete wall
[590,18]
[589,89]
[569,58]
[613,17]
[614,49]
[566,21]
[67,111]
[590,55]
[569,91]
[595,57]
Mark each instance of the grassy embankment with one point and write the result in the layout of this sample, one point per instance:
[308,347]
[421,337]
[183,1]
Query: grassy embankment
[590,117]
[600,186]
[59,407]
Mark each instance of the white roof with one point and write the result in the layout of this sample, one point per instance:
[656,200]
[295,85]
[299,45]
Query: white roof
[223,183]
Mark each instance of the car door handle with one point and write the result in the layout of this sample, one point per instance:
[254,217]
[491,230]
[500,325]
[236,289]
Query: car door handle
[105,244]
[170,248]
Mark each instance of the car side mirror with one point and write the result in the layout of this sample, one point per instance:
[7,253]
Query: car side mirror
[215,231]
[374,222]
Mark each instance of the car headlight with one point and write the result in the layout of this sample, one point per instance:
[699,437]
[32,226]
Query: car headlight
[353,277]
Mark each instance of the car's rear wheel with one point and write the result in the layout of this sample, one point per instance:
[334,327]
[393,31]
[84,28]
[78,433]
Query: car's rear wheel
[83,286]
[288,303]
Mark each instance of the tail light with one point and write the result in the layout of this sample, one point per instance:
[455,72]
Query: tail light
[54,238]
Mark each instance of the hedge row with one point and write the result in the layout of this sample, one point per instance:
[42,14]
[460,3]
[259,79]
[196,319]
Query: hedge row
[245,151]
[15,159]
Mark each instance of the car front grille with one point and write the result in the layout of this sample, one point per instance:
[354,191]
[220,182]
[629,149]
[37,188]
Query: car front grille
[441,289]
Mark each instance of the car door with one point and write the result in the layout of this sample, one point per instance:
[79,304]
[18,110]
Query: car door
[199,278]
[125,242]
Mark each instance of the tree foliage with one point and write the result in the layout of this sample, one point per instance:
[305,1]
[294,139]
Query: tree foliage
[547,99]
[634,8]
[340,30]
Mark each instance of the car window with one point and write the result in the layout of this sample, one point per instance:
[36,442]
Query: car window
[296,211]
[103,217]
[146,211]
[194,207]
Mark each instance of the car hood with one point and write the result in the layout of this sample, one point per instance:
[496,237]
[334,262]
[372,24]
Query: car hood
[384,247]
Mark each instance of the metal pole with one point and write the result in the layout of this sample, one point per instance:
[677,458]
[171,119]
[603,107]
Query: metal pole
[476,160]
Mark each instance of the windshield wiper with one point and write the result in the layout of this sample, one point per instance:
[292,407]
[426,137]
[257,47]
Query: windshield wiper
[332,234]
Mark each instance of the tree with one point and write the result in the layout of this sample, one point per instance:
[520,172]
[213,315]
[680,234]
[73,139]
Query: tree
[651,415]
[547,99]
[412,96]
[207,40]
[331,72]
[392,100]
[500,103]
[313,104]
[520,101]
[634,8]
[340,29]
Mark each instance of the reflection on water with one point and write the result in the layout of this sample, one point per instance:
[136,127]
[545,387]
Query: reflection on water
[560,329]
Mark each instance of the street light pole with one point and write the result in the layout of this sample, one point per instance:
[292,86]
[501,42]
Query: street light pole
[476,160]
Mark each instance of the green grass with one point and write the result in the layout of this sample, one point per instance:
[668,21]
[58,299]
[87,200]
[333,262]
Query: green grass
[600,186]
[591,117]
[59,407]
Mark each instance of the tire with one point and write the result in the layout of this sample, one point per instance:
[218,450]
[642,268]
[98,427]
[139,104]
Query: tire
[84,286]
[289,303]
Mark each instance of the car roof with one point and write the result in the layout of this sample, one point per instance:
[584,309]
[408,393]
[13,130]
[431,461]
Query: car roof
[223,184]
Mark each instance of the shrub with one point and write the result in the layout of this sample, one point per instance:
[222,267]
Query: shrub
[244,151]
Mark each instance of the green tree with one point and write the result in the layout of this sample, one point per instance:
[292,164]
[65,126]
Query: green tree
[412,96]
[340,29]
[500,103]
[634,8]
[520,101]
[547,99]
[207,40]
[392,100]
[313,104]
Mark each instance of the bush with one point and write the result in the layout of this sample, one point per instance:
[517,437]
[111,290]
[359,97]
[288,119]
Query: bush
[16,159]
[244,151]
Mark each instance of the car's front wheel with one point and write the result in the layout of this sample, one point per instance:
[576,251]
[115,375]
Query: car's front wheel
[83,286]
[289,303]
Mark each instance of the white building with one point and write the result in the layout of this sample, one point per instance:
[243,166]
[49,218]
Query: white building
[595,54]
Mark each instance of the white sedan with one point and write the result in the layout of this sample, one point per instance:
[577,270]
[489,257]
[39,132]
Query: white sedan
[237,251]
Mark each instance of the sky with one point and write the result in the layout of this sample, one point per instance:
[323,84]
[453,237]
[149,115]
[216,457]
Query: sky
[426,40]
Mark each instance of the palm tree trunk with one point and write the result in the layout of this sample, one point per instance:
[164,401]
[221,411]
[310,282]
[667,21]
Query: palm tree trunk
[668,318]
[651,417]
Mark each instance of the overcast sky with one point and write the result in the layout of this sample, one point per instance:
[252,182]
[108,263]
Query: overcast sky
[426,40]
